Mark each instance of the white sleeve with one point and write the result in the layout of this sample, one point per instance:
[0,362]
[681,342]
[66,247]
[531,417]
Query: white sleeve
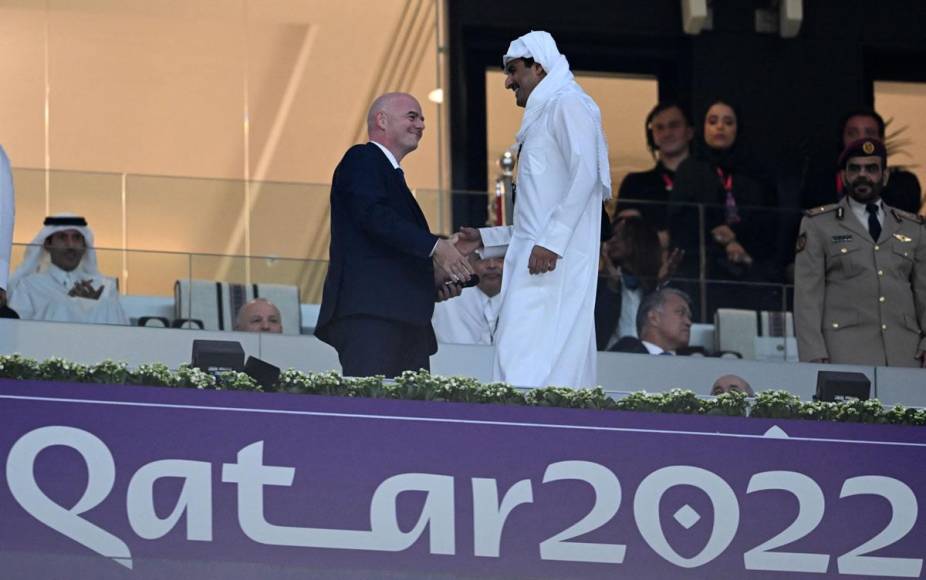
[495,241]
[574,130]
[7,217]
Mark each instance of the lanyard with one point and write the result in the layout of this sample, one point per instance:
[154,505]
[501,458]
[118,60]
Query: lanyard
[667,181]
[726,180]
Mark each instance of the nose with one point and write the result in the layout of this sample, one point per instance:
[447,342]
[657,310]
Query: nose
[509,82]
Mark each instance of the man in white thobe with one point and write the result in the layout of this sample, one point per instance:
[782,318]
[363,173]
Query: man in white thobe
[472,317]
[59,278]
[546,327]
[7,217]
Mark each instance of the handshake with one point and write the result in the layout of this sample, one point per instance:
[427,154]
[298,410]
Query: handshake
[452,269]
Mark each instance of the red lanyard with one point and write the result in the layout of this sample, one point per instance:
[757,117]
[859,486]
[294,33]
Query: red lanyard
[725,180]
[839,185]
[668,181]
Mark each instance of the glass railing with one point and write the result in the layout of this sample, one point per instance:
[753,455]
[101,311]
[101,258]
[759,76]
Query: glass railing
[152,231]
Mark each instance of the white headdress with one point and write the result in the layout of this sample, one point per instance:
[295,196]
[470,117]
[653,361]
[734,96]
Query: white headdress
[37,258]
[541,47]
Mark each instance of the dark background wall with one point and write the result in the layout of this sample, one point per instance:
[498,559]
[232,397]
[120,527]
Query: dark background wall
[791,92]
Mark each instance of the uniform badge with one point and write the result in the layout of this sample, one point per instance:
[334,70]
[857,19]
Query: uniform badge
[903,238]
[842,239]
[868,147]
[801,243]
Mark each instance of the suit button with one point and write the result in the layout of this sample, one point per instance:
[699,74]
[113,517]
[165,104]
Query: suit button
[880,272]
[843,250]
[883,327]
[877,248]
[835,325]
[881,299]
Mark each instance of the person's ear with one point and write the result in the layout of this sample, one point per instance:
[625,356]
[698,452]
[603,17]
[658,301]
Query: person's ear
[539,69]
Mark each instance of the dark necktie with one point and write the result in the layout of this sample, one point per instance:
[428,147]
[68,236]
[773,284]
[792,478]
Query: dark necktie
[874,226]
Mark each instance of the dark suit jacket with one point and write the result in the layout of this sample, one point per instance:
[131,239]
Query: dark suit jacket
[607,311]
[630,344]
[380,244]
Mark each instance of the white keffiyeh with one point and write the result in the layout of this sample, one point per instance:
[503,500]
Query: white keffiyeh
[541,47]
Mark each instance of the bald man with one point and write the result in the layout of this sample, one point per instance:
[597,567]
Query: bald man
[380,288]
[259,315]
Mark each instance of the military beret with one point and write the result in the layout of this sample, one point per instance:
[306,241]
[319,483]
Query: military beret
[864,148]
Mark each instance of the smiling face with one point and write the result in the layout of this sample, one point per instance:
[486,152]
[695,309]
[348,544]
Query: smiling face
[522,79]
[720,126]
[671,132]
[403,123]
[66,249]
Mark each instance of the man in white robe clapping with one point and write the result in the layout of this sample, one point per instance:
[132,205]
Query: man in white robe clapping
[59,278]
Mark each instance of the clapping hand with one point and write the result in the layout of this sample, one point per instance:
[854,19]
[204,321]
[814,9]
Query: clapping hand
[85,289]
[670,265]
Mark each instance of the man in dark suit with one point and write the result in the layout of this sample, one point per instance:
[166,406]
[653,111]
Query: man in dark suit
[380,288]
[663,324]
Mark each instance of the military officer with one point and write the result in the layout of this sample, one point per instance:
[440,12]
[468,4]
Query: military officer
[860,272]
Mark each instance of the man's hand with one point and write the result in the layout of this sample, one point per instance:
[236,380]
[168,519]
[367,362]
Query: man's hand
[85,289]
[541,260]
[824,360]
[448,291]
[737,254]
[723,235]
[445,291]
[467,240]
[2,297]
[670,265]
[449,259]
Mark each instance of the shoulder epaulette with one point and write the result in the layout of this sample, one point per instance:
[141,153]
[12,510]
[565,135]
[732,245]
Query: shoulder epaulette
[901,214]
[815,211]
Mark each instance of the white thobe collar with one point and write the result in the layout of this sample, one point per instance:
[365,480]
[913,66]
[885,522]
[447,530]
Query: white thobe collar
[859,211]
[388,154]
[65,279]
[655,349]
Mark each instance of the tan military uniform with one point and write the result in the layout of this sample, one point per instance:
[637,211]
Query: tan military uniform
[856,300]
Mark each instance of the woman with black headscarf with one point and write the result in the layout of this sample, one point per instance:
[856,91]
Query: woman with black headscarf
[739,246]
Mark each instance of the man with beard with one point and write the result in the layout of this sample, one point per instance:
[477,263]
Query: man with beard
[860,272]
[59,278]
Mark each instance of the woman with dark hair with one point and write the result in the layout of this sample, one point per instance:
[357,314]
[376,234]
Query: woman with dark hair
[632,266]
[739,245]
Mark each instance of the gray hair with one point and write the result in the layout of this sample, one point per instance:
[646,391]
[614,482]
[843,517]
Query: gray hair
[655,301]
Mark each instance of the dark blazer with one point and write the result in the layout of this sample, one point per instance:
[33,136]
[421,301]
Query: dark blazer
[607,311]
[630,344]
[379,263]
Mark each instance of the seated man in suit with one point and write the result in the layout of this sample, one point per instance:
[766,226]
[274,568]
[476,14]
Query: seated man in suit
[259,315]
[380,287]
[663,324]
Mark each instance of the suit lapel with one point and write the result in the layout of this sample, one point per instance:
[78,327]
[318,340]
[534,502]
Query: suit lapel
[400,188]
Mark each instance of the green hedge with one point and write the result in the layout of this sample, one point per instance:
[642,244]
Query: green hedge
[423,386]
